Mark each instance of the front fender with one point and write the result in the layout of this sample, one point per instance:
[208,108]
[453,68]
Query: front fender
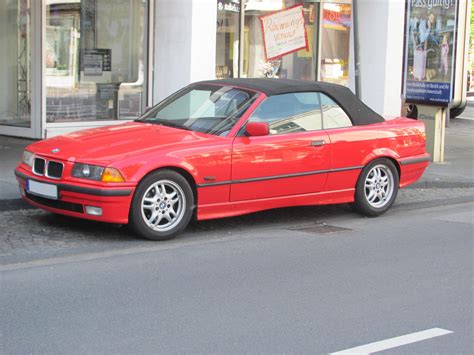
[135,171]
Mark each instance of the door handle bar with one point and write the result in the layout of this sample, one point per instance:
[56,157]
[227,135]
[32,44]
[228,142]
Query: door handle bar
[318,143]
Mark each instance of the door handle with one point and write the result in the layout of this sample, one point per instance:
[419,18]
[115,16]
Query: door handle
[318,143]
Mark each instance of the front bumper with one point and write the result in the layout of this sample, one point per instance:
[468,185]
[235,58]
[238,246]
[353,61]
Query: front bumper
[73,198]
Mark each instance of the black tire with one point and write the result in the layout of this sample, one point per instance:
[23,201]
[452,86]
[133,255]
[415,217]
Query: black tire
[162,206]
[456,111]
[379,205]
[412,111]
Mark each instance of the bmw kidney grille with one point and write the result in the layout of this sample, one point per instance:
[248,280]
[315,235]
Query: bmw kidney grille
[49,168]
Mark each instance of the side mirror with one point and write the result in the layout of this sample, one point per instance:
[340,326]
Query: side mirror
[255,129]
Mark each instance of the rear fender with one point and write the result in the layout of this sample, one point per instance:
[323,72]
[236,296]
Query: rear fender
[382,153]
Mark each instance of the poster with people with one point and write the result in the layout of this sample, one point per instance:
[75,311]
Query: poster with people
[430,42]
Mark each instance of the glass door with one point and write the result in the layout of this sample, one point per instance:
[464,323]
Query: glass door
[16,78]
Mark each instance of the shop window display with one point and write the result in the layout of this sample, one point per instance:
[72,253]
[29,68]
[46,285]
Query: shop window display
[297,65]
[94,60]
[241,49]
[335,37]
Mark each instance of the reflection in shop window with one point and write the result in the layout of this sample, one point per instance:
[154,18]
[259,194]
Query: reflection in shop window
[297,65]
[335,35]
[94,59]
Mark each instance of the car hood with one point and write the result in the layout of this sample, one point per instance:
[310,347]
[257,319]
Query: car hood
[108,144]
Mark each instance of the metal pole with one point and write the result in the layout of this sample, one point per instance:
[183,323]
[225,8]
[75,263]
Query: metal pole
[355,20]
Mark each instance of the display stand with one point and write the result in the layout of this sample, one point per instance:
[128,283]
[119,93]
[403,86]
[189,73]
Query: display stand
[434,69]
[435,119]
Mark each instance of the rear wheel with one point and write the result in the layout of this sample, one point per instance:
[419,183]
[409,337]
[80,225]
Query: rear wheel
[162,205]
[377,188]
[412,111]
[456,111]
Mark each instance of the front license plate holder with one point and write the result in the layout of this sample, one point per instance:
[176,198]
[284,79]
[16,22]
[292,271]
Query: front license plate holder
[41,189]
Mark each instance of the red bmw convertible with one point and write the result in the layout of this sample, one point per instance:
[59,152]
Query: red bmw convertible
[223,148]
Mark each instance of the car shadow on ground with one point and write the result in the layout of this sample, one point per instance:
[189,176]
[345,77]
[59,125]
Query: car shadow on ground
[64,226]
[282,216]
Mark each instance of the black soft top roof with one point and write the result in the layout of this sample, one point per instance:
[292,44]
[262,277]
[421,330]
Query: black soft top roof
[359,112]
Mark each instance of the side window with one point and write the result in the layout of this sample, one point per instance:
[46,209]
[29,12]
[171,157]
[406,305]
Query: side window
[290,113]
[333,115]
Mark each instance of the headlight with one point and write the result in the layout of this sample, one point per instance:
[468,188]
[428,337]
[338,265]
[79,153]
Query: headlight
[98,173]
[28,158]
[86,171]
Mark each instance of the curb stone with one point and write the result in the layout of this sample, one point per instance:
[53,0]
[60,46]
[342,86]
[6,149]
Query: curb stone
[409,206]
[441,184]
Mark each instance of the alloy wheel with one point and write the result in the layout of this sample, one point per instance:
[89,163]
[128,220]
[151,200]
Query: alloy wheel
[163,205]
[379,186]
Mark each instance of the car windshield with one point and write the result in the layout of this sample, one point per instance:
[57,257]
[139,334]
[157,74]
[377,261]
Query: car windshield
[202,108]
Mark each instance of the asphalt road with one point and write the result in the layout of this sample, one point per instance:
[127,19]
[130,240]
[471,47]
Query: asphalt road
[304,287]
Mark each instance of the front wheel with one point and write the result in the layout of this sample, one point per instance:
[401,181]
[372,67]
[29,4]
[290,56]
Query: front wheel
[377,188]
[162,205]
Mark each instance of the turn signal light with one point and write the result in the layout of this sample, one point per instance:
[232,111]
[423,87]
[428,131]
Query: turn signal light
[112,175]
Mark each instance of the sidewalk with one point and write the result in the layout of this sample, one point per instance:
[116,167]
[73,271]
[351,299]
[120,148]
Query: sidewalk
[458,168]
[11,150]
[456,172]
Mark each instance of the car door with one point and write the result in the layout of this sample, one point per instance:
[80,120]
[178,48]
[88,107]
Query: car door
[292,159]
[349,145]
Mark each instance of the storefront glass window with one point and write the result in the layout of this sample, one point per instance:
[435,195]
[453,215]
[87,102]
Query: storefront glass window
[297,65]
[15,59]
[227,39]
[335,36]
[94,59]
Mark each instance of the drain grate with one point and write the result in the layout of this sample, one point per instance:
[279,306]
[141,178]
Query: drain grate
[320,228]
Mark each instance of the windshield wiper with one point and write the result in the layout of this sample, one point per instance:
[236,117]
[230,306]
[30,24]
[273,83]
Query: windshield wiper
[167,123]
